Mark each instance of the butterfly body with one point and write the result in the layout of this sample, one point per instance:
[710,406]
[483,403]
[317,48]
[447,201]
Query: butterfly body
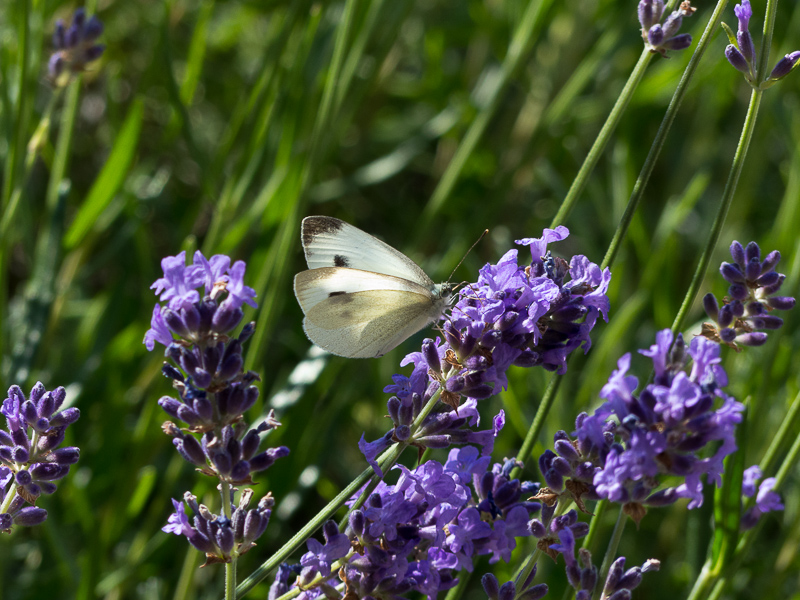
[360,296]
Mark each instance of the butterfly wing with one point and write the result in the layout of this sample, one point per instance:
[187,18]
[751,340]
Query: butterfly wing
[329,242]
[359,314]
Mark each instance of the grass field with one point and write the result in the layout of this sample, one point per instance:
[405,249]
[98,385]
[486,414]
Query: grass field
[219,125]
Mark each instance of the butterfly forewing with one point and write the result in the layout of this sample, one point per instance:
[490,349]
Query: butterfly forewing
[329,242]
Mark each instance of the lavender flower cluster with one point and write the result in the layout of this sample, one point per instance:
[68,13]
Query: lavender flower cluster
[582,574]
[218,535]
[766,499]
[660,38]
[528,315]
[213,392]
[741,52]
[753,283]
[630,441]
[415,535]
[30,457]
[75,46]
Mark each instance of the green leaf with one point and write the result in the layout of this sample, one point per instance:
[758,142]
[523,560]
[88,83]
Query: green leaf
[111,177]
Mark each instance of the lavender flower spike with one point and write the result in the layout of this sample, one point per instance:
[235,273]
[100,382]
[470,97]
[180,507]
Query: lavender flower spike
[766,500]
[30,460]
[753,283]
[74,47]
[660,37]
[216,535]
[631,440]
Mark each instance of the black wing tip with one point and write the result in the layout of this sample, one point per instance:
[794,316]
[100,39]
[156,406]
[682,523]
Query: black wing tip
[316,225]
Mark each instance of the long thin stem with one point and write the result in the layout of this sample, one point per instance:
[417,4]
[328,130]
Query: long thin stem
[611,552]
[538,421]
[722,211]
[602,139]
[661,135]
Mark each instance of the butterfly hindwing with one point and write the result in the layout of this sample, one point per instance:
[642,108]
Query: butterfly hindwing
[369,323]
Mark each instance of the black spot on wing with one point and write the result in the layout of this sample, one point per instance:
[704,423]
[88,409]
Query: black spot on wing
[340,261]
[314,226]
[338,298]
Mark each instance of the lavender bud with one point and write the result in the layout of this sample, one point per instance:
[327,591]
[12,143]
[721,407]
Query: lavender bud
[67,456]
[736,59]
[756,338]
[225,539]
[30,516]
[66,417]
[655,35]
[537,528]
[357,522]
[490,586]
[191,450]
[785,65]
[746,46]
[650,12]
[672,24]
[507,591]
[537,592]
[431,355]
[781,302]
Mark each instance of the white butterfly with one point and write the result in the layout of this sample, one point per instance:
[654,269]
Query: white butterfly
[361,297]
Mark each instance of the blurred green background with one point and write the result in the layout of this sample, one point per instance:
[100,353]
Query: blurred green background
[219,125]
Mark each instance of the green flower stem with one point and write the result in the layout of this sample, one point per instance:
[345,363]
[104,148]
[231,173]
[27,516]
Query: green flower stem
[535,429]
[10,494]
[15,148]
[64,143]
[530,563]
[722,211]
[766,40]
[521,43]
[661,136]
[611,552]
[594,523]
[602,139]
[230,567]
[14,152]
[720,580]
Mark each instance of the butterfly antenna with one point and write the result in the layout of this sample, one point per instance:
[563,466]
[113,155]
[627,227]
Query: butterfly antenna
[485,231]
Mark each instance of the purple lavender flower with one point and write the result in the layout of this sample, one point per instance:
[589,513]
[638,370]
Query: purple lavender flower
[630,441]
[741,52]
[766,499]
[509,591]
[30,459]
[529,314]
[752,285]
[660,37]
[582,574]
[217,535]
[230,453]
[75,46]
[415,535]
[205,320]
